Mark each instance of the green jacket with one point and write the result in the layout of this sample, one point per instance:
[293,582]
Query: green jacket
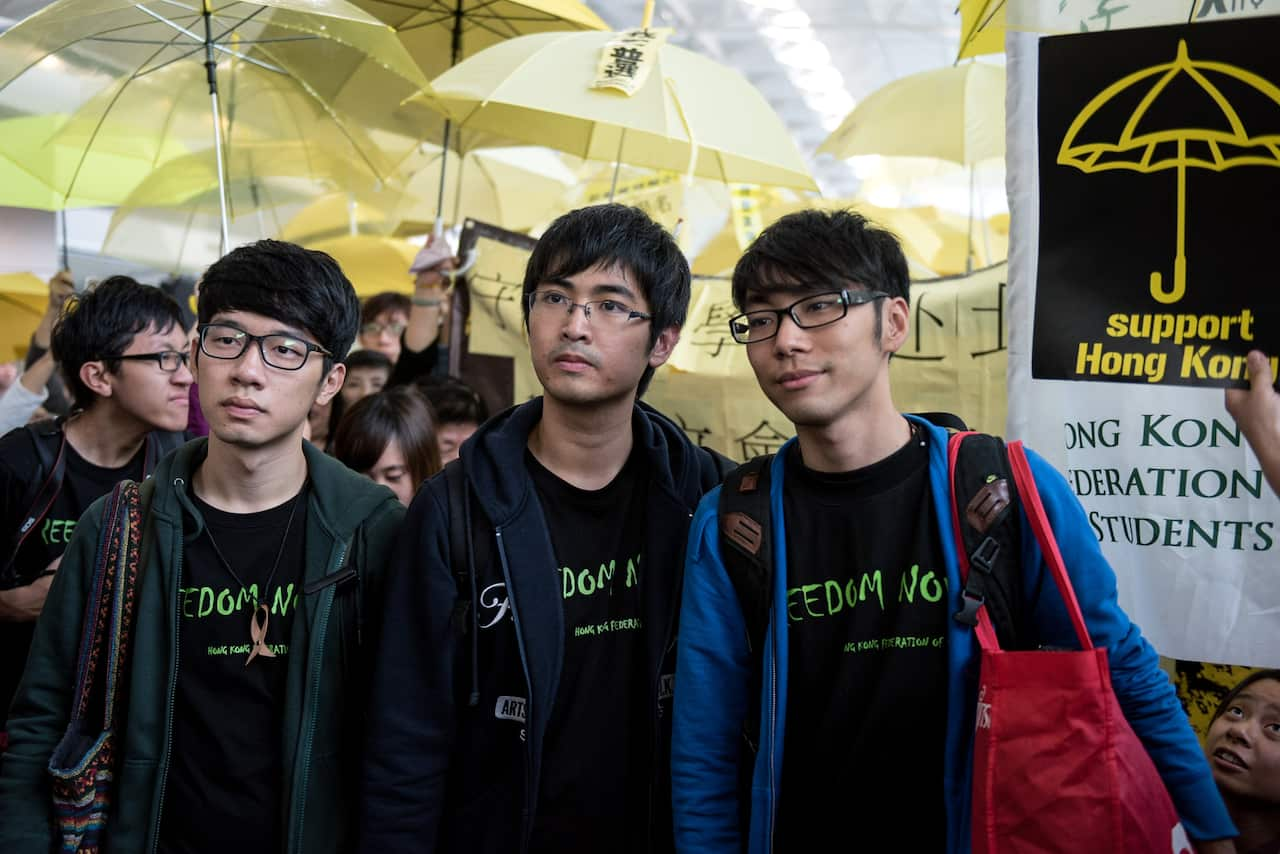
[351,525]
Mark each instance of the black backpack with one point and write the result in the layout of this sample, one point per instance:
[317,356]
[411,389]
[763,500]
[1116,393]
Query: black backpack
[49,446]
[988,509]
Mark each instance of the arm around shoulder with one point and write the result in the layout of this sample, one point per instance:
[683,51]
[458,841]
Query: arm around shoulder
[1146,696]
[711,696]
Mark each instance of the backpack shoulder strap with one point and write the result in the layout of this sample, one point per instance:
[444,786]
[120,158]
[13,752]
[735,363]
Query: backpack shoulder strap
[49,445]
[462,564]
[985,508]
[746,543]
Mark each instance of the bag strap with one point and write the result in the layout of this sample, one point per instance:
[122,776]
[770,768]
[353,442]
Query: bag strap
[1039,520]
[110,608]
[746,543]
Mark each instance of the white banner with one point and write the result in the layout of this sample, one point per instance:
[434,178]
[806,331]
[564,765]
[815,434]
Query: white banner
[1172,491]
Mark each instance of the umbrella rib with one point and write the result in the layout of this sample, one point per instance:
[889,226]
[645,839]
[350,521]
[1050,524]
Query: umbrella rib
[1126,136]
[1217,152]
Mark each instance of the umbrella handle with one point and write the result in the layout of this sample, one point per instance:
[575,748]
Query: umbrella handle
[469,259]
[1179,289]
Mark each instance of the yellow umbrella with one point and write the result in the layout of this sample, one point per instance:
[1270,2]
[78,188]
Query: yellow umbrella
[320,69]
[538,89]
[982,25]
[23,297]
[373,264]
[439,33]
[33,164]
[954,114]
[171,220]
[514,187]
[337,215]
[935,243]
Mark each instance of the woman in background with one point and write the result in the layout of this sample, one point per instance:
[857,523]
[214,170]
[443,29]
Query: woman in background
[1243,747]
[390,438]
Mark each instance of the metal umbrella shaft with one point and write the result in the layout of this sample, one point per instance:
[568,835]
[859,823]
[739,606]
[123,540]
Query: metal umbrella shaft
[211,74]
[455,53]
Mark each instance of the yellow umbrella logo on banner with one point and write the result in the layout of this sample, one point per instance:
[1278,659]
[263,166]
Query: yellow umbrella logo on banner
[1218,148]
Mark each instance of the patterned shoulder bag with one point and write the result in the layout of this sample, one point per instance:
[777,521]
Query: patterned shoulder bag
[83,766]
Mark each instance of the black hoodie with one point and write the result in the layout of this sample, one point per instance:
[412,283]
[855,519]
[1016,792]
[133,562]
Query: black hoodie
[442,773]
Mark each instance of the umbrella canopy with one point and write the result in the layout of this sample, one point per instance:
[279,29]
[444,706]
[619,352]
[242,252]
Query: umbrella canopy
[23,297]
[33,165]
[954,114]
[440,33]
[373,264]
[171,220]
[538,89]
[516,188]
[982,26]
[337,215]
[935,243]
[133,79]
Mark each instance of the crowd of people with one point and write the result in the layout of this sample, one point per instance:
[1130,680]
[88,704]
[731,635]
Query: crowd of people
[370,617]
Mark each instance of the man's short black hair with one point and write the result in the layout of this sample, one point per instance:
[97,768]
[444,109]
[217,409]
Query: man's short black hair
[453,401]
[384,302]
[103,323]
[368,359]
[602,236]
[298,287]
[814,250]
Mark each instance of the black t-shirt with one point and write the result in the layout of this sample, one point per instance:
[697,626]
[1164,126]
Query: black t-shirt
[596,758]
[82,484]
[224,783]
[867,670]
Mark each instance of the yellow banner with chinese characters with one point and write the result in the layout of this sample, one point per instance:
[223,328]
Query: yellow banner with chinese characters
[627,60]
[954,360]
[746,211]
[659,194]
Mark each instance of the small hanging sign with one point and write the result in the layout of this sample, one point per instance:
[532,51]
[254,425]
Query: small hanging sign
[627,59]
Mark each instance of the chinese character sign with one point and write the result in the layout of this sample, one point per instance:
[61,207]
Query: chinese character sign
[627,60]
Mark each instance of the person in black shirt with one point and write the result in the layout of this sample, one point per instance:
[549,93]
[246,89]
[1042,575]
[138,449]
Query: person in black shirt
[524,704]
[123,354]
[865,684]
[245,688]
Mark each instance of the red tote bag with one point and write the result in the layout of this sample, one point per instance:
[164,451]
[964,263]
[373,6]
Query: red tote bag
[1056,767]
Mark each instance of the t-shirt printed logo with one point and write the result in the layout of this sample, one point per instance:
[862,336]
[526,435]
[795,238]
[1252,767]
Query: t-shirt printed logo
[221,603]
[844,597]
[57,531]
[494,599]
[588,582]
[510,709]
[593,598]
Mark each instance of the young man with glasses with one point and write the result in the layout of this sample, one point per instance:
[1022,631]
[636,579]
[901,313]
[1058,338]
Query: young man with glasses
[245,688]
[864,682]
[521,696]
[122,351]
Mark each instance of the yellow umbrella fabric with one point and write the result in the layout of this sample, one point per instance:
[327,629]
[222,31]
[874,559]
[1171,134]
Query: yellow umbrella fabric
[537,89]
[514,187]
[129,77]
[934,242]
[335,214]
[171,220]
[373,264]
[954,114]
[427,27]
[32,166]
[982,26]
[23,297]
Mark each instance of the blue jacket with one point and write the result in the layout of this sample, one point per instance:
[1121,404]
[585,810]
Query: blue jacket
[713,672]
[442,774]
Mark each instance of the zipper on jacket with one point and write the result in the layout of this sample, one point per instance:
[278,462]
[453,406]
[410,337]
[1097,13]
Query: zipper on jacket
[773,737]
[300,792]
[528,812]
[179,484]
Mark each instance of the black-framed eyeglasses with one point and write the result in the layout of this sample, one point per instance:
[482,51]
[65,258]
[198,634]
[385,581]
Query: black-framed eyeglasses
[168,360]
[808,313]
[611,312]
[286,352]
